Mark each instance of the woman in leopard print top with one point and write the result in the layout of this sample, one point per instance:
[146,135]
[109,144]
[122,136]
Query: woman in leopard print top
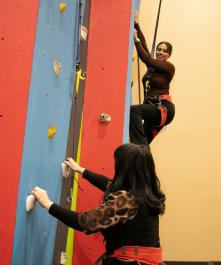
[133,201]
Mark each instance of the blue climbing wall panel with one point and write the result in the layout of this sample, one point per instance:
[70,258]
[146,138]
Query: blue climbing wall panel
[50,99]
[128,98]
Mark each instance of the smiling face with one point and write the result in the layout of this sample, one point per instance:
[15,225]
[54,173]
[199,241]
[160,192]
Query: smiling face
[162,52]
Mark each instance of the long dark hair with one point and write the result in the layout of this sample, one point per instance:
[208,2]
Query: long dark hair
[135,172]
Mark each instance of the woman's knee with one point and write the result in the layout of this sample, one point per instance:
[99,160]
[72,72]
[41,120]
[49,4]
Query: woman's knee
[170,116]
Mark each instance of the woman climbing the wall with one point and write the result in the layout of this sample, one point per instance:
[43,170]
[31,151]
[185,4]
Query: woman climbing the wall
[157,109]
[129,215]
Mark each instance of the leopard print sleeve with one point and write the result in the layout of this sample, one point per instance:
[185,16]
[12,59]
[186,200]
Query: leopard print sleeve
[119,207]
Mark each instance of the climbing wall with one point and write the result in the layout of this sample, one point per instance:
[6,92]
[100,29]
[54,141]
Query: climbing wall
[108,90]
[64,236]
[35,34]
[49,104]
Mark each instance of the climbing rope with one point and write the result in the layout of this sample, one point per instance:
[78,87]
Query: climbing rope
[78,59]
[79,76]
[138,79]
[156,29]
[147,85]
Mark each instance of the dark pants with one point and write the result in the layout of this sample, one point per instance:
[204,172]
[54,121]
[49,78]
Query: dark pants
[142,133]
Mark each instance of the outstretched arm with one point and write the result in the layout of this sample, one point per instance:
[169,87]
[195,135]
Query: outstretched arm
[97,180]
[68,217]
[144,53]
[119,207]
[139,32]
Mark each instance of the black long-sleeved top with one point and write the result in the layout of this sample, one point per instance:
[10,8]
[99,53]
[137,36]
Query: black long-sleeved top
[120,219]
[162,72]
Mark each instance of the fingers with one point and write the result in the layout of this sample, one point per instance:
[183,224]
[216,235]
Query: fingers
[67,163]
[42,197]
[38,191]
[71,163]
[136,17]
[70,159]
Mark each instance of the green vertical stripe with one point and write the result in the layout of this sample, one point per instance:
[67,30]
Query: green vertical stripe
[70,237]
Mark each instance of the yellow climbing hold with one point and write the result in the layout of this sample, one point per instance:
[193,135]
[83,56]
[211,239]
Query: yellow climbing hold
[62,7]
[51,132]
[134,57]
[80,76]
[147,83]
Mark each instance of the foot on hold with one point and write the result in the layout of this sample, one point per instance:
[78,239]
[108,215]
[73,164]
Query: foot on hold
[104,117]
[30,202]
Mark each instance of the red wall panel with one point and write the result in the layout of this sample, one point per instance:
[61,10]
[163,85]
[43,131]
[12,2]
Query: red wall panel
[105,91]
[17,34]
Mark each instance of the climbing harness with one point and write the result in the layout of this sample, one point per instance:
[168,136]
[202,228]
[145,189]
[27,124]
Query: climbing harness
[163,110]
[156,99]
[150,255]
[147,84]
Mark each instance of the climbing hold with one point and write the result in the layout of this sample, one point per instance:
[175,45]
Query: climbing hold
[80,76]
[104,117]
[30,202]
[147,83]
[51,132]
[57,67]
[64,258]
[84,33]
[134,57]
[65,170]
[62,7]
